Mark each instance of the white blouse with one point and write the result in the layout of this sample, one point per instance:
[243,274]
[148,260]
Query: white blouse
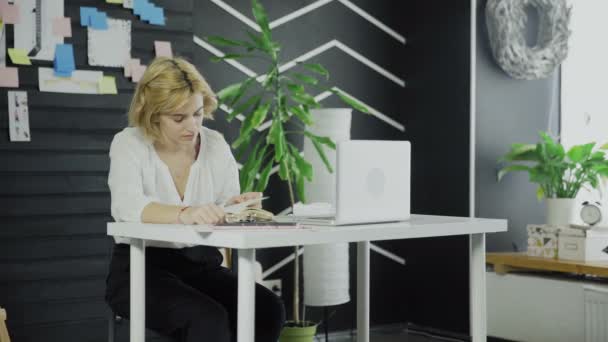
[138,176]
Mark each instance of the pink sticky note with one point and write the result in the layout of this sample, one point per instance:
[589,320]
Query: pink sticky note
[62,27]
[9,77]
[129,65]
[9,13]
[163,49]
[137,72]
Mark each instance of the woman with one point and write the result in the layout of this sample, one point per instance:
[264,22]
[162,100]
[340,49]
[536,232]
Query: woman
[167,168]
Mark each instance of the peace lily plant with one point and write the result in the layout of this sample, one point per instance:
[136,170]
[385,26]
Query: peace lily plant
[560,174]
[281,97]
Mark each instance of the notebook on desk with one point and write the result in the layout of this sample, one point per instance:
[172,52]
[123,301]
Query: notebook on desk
[372,184]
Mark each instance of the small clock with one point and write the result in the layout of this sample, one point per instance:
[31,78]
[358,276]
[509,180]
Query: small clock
[591,213]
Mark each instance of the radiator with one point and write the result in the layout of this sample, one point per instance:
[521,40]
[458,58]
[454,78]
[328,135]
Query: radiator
[596,313]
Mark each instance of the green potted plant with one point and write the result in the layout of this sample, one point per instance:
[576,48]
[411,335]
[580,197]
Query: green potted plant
[560,174]
[280,96]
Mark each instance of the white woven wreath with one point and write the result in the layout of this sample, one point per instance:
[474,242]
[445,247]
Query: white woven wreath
[506,21]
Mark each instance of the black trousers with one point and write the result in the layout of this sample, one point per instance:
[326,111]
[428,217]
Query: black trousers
[190,296]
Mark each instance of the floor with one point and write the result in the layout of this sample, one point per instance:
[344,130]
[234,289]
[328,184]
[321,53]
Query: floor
[388,334]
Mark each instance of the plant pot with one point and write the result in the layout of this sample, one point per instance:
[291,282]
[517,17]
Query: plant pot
[560,211]
[303,331]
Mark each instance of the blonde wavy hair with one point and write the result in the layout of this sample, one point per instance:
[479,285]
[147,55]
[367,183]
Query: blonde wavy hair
[164,87]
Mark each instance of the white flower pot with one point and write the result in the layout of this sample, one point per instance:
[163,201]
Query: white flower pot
[561,211]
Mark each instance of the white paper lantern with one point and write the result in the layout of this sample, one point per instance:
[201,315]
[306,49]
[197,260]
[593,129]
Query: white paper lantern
[326,271]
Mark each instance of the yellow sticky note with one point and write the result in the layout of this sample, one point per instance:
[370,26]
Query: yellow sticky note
[107,85]
[19,56]
[114,1]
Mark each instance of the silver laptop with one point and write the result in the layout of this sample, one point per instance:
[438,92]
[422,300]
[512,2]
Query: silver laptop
[372,183]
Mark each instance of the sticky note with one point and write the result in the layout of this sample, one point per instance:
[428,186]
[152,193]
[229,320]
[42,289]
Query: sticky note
[99,21]
[156,15]
[107,85]
[9,77]
[114,1]
[64,60]
[9,13]
[163,49]
[130,65]
[85,15]
[139,6]
[137,72]
[19,56]
[62,27]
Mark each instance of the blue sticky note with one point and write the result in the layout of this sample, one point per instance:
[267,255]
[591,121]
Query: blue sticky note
[85,15]
[157,16]
[139,6]
[64,60]
[99,21]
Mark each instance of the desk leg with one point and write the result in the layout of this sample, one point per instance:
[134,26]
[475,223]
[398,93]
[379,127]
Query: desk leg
[138,290]
[246,296]
[477,287]
[363,291]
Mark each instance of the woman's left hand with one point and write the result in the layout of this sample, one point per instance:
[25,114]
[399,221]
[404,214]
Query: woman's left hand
[246,197]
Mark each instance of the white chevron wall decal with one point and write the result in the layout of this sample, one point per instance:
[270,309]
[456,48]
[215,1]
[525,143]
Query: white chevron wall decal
[308,55]
[291,257]
[302,58]
[306,9]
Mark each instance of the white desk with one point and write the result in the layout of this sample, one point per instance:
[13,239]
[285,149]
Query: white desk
[246,242]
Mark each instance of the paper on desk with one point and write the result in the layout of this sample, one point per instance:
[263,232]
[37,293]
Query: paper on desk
[238,207]
[111,47]
[34,32]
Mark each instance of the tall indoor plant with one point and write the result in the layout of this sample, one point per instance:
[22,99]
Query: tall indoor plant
[283,97]
[560,174]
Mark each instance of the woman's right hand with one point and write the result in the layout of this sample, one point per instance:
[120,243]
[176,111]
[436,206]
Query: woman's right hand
[204,214]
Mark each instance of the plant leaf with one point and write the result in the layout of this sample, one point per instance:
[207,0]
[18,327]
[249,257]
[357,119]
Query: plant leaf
[304,99]
[350,101]
[254,100]
[323,140]
[221,41]
[540,193]
[318,68]
[511,168]
[264,177]
[303,166]
[252,122]
[302,114]
[579,153]
[229,56]
[604,147]
[242,89]
[228,92]
[300,188]
[306,78]
[276,137]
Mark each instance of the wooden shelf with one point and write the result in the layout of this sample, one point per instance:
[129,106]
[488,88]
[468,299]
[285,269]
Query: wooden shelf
[509,262]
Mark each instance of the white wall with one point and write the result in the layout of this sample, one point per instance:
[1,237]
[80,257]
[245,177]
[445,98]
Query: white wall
[584,92]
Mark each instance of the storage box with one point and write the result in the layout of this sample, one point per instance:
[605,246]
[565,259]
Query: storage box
[583,245]
[543,240]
